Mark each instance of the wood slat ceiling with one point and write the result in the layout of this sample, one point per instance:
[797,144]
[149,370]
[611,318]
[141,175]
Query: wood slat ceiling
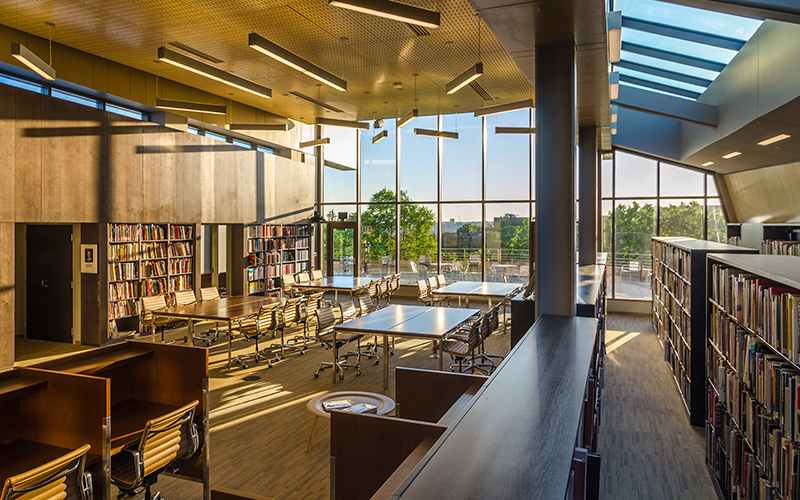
[370,53]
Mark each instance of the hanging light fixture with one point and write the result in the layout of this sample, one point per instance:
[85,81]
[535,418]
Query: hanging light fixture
[280,54]
[383,134]
[34,62]
[614,114]
[279,127]
[438,133]
[315,142]
[194,107]
[503,108]
[471,74]
[332,122]
[613,85]
[392,10]
[614,25]
[414,113]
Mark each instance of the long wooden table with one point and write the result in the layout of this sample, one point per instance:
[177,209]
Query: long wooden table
[416,322]
[334,284]
[225,310]
[484,289]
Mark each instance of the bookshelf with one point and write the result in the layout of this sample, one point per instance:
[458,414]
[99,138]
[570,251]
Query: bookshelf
[147,259]
[753,363]
[678,283]
[771,238]
[272,251]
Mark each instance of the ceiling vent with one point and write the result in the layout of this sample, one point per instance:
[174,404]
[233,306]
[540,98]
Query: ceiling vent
[480,91]
[198,53]
[418,30]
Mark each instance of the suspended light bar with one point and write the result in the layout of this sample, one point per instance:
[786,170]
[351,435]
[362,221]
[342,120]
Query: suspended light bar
[278,127]
[392,10]
[383,134]
[614,25]
[731,155]
[407,118]
[315,142]
[280,54]
[338,166]
[189,64]
[195,107]
[614,114]
[503,108]
[318,103]
[332,122]
[378,123]
[32,61]
[435,133]
[613,85]
[707,164]
[773,140]
[515,130]
[466,77]
[613,129]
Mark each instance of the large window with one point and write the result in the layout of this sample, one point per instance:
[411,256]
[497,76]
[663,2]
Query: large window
[418,161]
[508,158]
[340,165]
[462,158]
[378,162]
[641,198]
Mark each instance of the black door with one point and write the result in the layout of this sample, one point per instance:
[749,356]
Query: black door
[49,283]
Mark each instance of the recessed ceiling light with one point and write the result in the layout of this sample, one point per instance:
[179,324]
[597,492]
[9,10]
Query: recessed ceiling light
[731,155]
[344,39]
[448,44]
[773,140]
[707,164]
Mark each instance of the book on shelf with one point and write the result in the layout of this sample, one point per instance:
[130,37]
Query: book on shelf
[780,247]
[180,232]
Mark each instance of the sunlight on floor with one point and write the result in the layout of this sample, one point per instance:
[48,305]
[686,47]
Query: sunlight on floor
[267,411]
[618,338]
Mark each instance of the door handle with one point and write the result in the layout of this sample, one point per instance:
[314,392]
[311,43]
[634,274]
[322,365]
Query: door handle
[44,283]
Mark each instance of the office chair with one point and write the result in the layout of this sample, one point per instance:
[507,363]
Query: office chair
[185,298]
[393,288]
[165,440]
[253,328]
[152,323]
[308,311]
[348,311]
[326,320]
[316,274]
[287,316]
[461,350]
[384,289]
[62,479]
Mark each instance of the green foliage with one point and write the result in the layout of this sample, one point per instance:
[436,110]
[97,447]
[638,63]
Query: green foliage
[635,225]
[682,220]
[417,224]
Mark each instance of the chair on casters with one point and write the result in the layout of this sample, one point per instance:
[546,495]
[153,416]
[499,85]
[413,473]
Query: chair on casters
[433,283]
[316,274]
[206,295]
[156,303]
[63,478]
[287,285]
[348,311]
[308,311]
[489,325]
[441,280]
[384,289]
[366,306]
[255,327]
[394,287]
[287,316]
[165,440]
[424,295]
[185,298]
[325,323]
[461,350]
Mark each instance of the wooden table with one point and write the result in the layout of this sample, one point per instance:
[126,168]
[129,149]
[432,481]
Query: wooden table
[416,322]
[334,284]
[484,289]
[227,310]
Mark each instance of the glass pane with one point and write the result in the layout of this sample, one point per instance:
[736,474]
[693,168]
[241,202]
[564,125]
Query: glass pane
[23,84]
[533,156]
[661,80]
[462,240]
[462,158]
[418,161]
[418,248]
[683,69]
[635,225]
[130,113]
[607,181]
[711,186]
[635,176]
[343,252]
[377,239]
[717,225]
[78,99]
[679,46]
[677,181]
[507,233]
[606,241]
[682,218]
[378,171]
[331,213]
[508,157]
[339,178]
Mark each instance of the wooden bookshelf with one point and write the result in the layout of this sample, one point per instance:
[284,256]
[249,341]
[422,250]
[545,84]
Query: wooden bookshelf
[678,283]
[770,238]
[753,367]
[272,251]
[144,260]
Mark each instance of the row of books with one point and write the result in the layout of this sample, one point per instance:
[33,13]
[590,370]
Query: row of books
[151,250]
[180,249]
[780,247]
[180,266]
[678,260]
[118,271]
[677,314]
[680,289]
[123,251]
[153,268]
[302,242]
[121,291]
[153,232]
[301,254]
[123,309]
[180,232]
[179,283]
[735,240]
[153,286]
[276,230]
[263,272]
[123,232]
[288,269]
[682,378]
[761,305]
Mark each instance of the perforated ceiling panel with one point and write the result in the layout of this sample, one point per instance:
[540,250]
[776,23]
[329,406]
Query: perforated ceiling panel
[370,53]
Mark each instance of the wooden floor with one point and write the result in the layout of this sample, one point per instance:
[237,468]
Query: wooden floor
[647,447]
[260,429]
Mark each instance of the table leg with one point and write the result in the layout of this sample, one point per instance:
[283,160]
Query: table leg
[313,430]
[335,350]
[490,303]
[230,335]
[441,353]
[467,299]
[459,301]
[385,362]
[190,340]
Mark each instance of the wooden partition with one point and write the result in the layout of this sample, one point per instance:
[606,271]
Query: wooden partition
[145,381]
[429,395]
[47,414]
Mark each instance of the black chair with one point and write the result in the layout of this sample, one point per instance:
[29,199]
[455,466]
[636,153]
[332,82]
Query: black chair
[462,350]
[326,320]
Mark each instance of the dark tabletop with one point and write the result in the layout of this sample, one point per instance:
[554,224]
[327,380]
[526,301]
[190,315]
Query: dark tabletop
[420,321]
[480,288]
[335,283]
[225,309]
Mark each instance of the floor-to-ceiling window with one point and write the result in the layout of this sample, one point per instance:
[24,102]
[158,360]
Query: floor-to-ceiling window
[641,198]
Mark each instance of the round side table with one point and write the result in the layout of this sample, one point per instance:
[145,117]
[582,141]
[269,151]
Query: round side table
[385,405]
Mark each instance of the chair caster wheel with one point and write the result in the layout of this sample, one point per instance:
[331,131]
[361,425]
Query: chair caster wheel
[377,361]
[302,352]
[391,353]
[244,367]
[316,375]
[269,365]
[341,377]
[358,372]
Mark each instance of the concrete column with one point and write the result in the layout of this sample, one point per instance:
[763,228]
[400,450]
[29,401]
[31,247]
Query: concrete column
[587,195]
[555,180]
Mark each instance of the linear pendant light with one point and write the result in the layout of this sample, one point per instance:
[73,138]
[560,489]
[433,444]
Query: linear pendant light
[515,130]
[613,85]
[383,134]
[32,61]
[773,140]
[392,10]
[407,118]
[315,142]
[464,79]
[614,114]
[279,127]
[435,133]
[614,25]
[280,54]
[195,107]
[503,108]
[189,64]
[332,122]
